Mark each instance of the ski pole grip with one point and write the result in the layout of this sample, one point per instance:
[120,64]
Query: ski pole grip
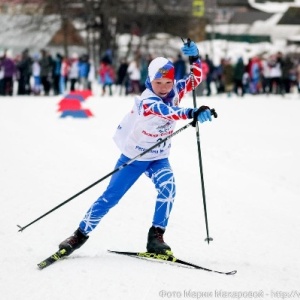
[188,42]
[190,57]
[213,113]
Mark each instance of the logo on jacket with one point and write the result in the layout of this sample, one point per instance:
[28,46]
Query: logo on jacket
[165,128]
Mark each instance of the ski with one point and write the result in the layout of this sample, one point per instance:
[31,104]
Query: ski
[142,255]
[168,258]
[53,258]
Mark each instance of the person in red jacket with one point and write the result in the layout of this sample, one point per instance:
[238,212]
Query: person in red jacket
[107,76]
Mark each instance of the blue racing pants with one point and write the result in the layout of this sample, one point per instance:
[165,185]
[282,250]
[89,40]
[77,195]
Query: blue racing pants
[161,174]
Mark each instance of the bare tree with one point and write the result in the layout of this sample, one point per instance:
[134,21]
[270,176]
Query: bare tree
[102,20]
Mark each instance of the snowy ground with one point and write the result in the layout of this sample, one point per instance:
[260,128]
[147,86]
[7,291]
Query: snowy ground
[251,170]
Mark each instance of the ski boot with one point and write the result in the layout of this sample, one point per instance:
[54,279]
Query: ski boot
[156,242]
[73,242]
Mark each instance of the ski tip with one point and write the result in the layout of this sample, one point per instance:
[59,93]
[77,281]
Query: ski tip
[232,272]
[41,265]
[123,252]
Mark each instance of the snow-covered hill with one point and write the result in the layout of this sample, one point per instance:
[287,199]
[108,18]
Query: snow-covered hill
[251,171]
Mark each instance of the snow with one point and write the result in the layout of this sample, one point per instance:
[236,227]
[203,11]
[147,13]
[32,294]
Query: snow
[219,49]
[272,7]
[251,168]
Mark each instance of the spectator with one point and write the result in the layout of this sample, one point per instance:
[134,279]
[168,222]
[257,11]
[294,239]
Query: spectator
[83,71]
[219,76]
[122,75]
[228,75]
[107,76]
[210,74]
[24,67]
[134,74]
[144,63]
[36,72]
[9,71]
[57,68]
[203,85]
[287,66]
[266,79]
[255,71]
[246,82]
[180,68]
[73,71]
[46,64]
[64,73]
[91,75]
[239,70]
[275,75]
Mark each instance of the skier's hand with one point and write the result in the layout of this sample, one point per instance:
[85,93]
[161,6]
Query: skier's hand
[190,49]
[201,114]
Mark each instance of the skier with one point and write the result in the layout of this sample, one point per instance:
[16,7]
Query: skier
[152,118]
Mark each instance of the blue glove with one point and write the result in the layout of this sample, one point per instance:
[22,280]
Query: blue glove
[201,114]
[204,116]
[190,49]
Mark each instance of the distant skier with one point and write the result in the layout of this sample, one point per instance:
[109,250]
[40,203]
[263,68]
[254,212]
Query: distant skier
[151,119]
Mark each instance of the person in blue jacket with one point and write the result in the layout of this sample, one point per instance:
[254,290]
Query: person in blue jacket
[83,71]
[151,119]
[180,67]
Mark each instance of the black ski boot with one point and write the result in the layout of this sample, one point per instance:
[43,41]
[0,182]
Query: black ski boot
[156,242]
[73,242]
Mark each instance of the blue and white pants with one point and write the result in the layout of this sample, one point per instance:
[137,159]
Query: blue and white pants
[161,174]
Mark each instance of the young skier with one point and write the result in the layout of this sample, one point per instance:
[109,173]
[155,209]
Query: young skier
[152,118]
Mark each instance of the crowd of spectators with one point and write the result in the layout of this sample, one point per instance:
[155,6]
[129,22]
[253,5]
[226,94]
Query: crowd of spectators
[44,74]
[268,74]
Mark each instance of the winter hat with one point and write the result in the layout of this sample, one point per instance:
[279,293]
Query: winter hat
[160,67]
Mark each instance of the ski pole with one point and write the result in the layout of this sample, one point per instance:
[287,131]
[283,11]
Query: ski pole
[108,175]
[208,238]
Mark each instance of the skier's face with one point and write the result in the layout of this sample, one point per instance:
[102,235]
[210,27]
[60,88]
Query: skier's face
[162,86]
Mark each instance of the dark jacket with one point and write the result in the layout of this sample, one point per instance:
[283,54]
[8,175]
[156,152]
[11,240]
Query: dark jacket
[9,67]
[239,69]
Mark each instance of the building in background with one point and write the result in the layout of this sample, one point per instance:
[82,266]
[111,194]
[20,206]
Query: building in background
[19,32]
[255,21]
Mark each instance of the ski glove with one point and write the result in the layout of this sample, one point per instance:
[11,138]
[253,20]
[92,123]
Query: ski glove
[201,114]
[190,49]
